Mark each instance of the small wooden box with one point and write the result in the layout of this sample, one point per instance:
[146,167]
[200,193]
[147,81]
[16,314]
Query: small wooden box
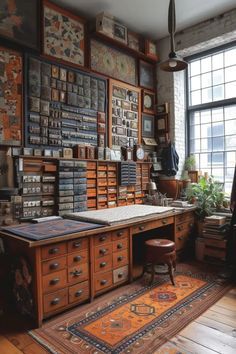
[90,152]
[80,152]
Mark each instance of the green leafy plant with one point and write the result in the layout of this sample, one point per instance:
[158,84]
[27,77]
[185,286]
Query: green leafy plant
[190,163]
[207,194]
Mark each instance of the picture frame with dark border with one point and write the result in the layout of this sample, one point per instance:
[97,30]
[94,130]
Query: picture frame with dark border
[151,49]
[162,124]
[148,101]
[26,32]
[120,32]
[193,175]
[148,126]
[162,108]
[146,75]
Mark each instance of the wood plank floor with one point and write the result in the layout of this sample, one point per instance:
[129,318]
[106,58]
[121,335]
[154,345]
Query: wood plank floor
[213,332]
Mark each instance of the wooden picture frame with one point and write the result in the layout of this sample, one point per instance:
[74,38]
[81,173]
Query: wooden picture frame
[151,49]
[162,124]
[148,101]
[193,175]
[120,32]
[162,108]
[21,24]
[163,139]
[65,48]
[133,41]
[146,75]
[148,126]
[11,87]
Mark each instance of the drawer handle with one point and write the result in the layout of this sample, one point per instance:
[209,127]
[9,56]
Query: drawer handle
[102,238]
[53,250]
[103,251]
[103,282]
[180,228]
[119,246]
[76,273]
[180,238]
[120,275]
[77,258]
[120,233]
[54,266]
[55,301]
[76,244]
[120,258]
[141,228]
[164,222]
[54,281]
[78,293]
[103,264]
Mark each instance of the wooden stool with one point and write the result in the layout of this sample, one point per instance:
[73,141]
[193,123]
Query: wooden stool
[159,251]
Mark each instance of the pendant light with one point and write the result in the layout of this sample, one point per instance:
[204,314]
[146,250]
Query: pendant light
[174,63]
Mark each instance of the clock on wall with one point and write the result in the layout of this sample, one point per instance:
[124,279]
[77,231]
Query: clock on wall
[148,101]
[139,153]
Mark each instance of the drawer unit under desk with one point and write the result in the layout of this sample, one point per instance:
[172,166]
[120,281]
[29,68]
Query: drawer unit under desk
[149,225]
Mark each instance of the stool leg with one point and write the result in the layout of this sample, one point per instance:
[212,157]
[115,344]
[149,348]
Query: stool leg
[174,264]
[171,272]
[153,273]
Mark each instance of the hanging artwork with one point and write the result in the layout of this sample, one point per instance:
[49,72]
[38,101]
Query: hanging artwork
[10,97]
[112,63]
[19,21]
[146,75]
[63,34]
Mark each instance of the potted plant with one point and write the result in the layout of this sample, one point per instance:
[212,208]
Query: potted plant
[190,163]
[207,195]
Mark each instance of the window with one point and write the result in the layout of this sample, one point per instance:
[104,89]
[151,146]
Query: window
[212,113]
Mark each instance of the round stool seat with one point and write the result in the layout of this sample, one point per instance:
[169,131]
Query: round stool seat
[166,245]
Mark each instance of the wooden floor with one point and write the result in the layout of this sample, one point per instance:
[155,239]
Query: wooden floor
[213,332]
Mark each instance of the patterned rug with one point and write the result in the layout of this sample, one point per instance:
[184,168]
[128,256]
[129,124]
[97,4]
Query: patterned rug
[137,318]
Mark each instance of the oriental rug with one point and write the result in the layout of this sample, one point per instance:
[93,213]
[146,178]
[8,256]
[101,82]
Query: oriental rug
[136,318]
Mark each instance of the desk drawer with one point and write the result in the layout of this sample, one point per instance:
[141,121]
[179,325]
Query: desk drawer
[184,217]
[77,258]
[102,239]
[215,243]
[115,235]
[77,244]
[79,292]
[101,251]
[103,281]
[78,273]
[54,265]
[54,281]
[181,238]
[120,258]
[54,250]
[121,274]
[103,264]
[145,226]
[188,225]
[55,301]
[120,245]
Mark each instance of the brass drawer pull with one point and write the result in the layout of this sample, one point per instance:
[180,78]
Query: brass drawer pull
[141,228]
[119,246]
[54,266]
[78,293]
[77,258]
[120,275]
[103,251]
[180,238]
[102,238]
[103,282]
[103,264]
[120,233]
[55,301]
[164,222]
[180,228]
[120,258]
[76,244]
[76,273]
[54,281]
[53,250]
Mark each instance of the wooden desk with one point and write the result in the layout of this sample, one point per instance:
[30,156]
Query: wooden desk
[68,270]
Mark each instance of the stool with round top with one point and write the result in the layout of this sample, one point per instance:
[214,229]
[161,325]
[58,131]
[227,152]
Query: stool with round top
[161,251]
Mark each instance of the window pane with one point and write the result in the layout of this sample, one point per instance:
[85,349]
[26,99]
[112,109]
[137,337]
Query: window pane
[195,83]
[195,68]
[206,64]
[207,95]
[206,145]
[218,129]
[217,159]
[205,130]
[230,159]
[218,93]
[205,160]
[218,174]
[195,118]
[195,131]
[229,174]
[218,144]
[217,61]
[205,116]
[228,187]
[196,97]
[230,73]
[230,127]
[195,145]
[218,77]
[217,114]
[230,112]
[230,142]
[230,90]
[230,57]
[206,80]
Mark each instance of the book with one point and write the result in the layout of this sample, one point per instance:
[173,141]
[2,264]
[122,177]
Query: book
[215,219]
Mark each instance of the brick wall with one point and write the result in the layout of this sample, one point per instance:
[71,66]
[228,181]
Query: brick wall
[171,86]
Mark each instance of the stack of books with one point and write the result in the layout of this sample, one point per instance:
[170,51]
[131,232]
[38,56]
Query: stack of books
[215,231]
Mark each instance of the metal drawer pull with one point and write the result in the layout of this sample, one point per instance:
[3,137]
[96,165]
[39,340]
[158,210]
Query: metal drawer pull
[53,250]
[119,246]
[103,282]
[76,244]
[180,238]
[76,273]
[120,258]
[78,293]
[77,258]
[120,275]
[103,251]
[102,238]
[55,301]
[164,222]
[141,227]
[180,228]
[120,233]
[54,281]
[54,266]
[103,264]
